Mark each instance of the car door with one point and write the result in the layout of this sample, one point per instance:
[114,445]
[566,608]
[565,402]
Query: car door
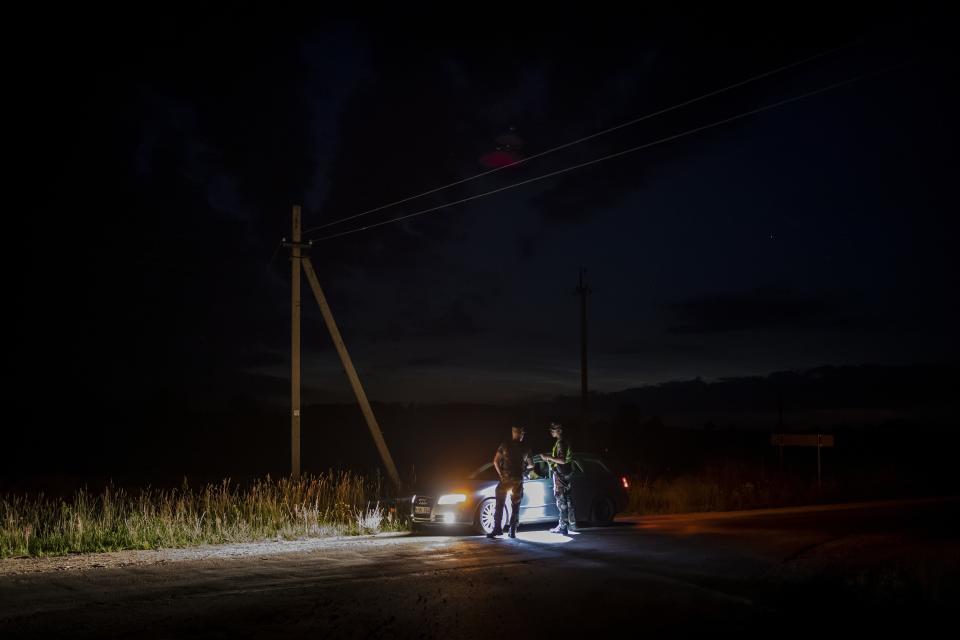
[583,490]
[537,494]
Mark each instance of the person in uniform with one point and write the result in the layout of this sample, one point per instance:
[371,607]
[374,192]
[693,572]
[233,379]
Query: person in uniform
[510,461]
[560,459]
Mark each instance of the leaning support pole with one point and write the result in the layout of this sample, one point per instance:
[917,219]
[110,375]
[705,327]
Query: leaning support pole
[351,372]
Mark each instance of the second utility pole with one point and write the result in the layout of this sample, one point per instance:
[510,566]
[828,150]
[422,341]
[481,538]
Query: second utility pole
[584,290]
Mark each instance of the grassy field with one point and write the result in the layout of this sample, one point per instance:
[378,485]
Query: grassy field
[322,505]
[707,492]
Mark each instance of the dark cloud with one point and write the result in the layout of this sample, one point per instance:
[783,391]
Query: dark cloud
[452,321]
[527,245]
[659,348]
[766,308]
[430,361]
[578,198]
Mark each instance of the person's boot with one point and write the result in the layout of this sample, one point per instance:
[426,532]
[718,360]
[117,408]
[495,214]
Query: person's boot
[513,531]
[572,526]
[560,528]
[495,533]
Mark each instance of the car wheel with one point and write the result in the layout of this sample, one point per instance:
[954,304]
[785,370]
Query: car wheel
[486,515]
[603,511]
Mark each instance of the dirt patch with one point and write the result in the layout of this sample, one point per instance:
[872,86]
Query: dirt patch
[112,559]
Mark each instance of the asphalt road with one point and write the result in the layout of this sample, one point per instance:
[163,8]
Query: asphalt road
[785,572]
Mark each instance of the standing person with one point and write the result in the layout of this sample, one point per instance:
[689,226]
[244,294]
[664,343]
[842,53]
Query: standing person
[561,461]
[510,461]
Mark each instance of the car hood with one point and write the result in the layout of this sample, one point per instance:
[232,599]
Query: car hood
[473,488]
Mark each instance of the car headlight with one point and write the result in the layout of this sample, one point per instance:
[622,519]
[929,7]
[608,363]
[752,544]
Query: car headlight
[452,498]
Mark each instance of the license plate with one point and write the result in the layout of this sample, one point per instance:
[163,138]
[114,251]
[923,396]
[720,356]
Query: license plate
[421,510]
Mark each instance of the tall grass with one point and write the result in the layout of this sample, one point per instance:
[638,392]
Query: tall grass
[716,492]
[115,519]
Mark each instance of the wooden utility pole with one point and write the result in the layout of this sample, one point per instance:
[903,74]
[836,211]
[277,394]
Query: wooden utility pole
[295,260]
[780,421]
[298,262]
[351,371]
[819,446]
[584,290]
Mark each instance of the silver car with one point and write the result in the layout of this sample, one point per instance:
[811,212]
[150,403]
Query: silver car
[598,495]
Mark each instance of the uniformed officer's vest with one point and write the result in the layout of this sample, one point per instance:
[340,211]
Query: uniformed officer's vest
[560,449]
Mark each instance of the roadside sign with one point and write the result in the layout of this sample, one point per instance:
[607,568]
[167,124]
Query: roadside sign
[817,440]
[801,440]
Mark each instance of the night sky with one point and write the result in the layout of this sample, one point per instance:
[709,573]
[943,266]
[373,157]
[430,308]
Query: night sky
[159,159]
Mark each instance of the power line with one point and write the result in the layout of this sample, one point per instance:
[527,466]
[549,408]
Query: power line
[647,145]
[274,256]
[566,145]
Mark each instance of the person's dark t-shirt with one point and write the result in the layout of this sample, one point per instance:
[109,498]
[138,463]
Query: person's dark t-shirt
[513,456]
